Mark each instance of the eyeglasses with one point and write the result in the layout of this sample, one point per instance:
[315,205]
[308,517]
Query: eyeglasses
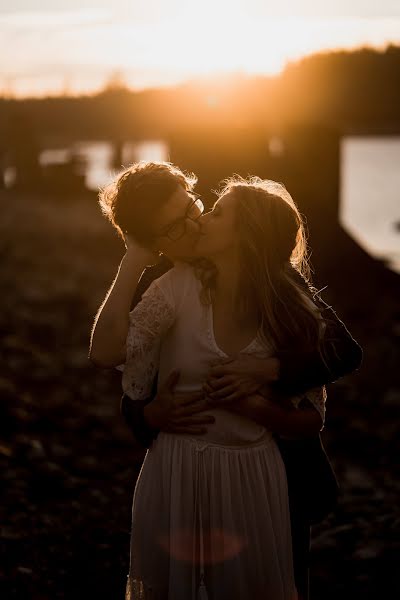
[178,229]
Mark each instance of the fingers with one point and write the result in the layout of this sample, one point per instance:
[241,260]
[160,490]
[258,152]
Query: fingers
[171,380]
[207,389]
[221,361]
[220,382]
[192,430]
[219,370]
[203,420]
[223,392]
[191,408]
[237,395]
[187,399]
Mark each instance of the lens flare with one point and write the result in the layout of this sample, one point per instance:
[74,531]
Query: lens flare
[219,545]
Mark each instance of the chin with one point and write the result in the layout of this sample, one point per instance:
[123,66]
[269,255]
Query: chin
[207,246]
[201,250]
[196,248]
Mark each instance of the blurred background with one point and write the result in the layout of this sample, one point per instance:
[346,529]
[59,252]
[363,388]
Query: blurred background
[307,93]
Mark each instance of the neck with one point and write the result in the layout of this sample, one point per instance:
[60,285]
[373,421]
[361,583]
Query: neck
[227,281]
[227,288]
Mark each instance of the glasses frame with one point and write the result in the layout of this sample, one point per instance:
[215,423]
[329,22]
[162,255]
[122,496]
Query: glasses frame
[183,220]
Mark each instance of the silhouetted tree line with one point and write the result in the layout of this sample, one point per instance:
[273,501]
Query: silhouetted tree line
[351,91]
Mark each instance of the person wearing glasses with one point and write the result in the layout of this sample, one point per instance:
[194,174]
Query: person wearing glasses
[210,510]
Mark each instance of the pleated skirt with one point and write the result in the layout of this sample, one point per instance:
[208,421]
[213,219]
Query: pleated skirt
[211,522]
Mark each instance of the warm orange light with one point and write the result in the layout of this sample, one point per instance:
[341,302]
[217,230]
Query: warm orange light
[159,44]
[219,545]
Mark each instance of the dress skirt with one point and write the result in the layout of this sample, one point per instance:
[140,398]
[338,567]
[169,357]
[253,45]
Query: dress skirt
[211,522]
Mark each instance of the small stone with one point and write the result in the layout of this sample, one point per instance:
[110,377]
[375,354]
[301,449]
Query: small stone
[25,570]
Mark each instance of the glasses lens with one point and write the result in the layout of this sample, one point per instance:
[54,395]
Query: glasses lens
[193,212]
[195,209]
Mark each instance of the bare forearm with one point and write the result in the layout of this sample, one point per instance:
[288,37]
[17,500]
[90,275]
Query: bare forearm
[108,338]
[267,370]
[278,419]
[139,419]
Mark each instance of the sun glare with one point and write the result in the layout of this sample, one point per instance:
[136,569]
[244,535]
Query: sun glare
[189,39]
[210,38]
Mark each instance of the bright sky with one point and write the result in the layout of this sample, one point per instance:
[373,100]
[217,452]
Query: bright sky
[75,45]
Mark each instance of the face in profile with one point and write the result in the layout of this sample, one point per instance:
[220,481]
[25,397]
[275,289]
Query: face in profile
[176,225]
[219,232]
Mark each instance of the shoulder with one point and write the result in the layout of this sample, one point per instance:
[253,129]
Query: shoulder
[314,309]
[149,275]
[181,273]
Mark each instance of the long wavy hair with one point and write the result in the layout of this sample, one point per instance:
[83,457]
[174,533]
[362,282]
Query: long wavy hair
[275,273]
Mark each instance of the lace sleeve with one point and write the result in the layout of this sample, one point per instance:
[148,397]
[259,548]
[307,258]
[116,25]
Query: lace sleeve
[148,322]
[315,397]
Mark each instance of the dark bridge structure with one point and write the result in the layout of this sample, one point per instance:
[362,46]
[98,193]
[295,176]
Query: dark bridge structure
[306,158]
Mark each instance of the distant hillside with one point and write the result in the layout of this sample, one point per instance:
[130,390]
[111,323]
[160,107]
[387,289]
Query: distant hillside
[351,91]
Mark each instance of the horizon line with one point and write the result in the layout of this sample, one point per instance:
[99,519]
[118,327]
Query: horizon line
[116,79]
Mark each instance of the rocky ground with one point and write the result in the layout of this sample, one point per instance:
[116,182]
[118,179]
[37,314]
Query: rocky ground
[69,464]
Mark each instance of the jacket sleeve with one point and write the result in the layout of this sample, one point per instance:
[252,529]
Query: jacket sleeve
[342,355]
[132,411]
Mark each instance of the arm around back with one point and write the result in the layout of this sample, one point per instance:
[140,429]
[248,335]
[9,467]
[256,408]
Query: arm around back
[341,356]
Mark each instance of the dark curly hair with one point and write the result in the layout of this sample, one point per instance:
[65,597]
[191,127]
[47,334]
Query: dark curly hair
[132,198]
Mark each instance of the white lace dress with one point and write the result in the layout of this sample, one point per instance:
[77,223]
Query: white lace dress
[210,514]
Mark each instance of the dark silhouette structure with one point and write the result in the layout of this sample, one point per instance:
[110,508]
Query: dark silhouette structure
[306,159]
